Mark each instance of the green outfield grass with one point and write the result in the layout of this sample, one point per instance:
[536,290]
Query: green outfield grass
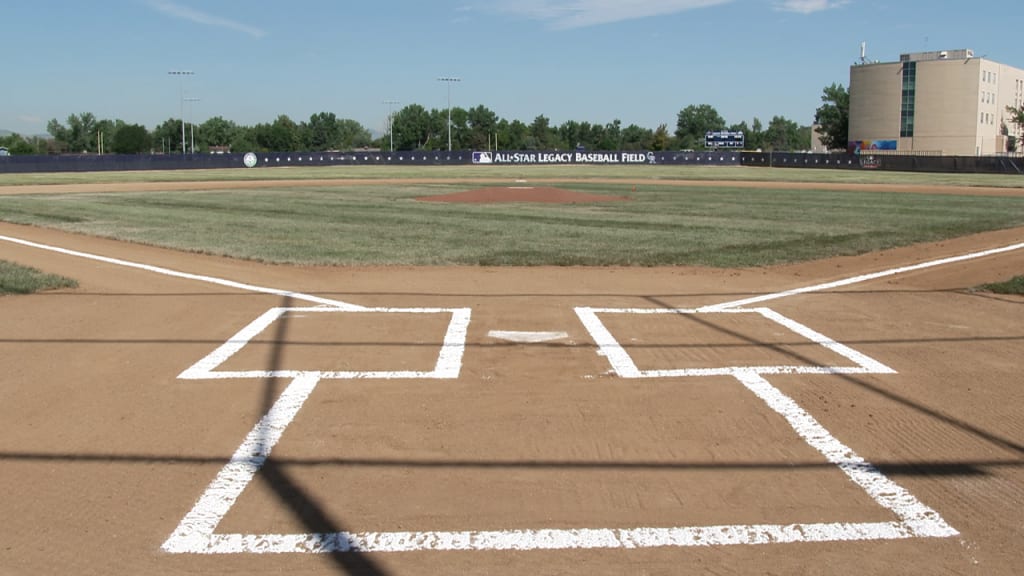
[17,279]
[626,173]
[385,224]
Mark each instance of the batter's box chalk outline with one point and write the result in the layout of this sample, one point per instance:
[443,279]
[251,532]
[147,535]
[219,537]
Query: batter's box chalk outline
[449,359]
[624,366]
[197,532]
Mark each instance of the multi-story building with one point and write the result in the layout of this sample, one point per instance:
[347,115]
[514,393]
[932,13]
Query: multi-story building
[949,102]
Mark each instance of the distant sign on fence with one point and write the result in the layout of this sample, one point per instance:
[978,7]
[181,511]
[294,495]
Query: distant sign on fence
[724,139]
[558,157]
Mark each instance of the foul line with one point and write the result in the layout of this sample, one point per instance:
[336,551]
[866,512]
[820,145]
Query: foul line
[185,275]
[858,279]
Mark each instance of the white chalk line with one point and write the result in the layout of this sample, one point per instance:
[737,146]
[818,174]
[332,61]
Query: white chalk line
[187,276]
[199,524]
[196,533]
[862,278]
[448,365]
[920,519]
[624,366]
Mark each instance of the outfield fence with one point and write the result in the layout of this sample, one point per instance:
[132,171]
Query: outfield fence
[262,160]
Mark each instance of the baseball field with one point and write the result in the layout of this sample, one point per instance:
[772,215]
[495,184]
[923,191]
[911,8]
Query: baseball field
[498,370]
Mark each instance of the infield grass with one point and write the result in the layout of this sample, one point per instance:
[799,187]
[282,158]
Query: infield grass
[384,223]
[18,279]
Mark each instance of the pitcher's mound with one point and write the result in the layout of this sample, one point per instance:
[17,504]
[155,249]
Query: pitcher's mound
[521,194]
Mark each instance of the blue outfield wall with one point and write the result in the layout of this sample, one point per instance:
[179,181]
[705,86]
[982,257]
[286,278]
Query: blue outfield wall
[107,162]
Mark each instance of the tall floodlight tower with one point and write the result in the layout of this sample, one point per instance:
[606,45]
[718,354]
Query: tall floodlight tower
[391,122]
[449,80]
[181,91]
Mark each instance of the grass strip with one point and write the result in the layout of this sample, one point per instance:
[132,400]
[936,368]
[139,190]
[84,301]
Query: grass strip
[1014,285]
[18,279]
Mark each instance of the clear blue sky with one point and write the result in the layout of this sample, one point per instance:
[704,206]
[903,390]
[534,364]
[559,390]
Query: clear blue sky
[640,61]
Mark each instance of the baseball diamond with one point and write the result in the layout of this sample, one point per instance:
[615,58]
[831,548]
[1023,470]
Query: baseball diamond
[182,412]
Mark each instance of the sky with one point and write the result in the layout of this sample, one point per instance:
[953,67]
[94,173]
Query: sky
[638,61]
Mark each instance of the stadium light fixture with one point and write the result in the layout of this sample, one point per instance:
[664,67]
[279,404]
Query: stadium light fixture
[181,90]
[449,80]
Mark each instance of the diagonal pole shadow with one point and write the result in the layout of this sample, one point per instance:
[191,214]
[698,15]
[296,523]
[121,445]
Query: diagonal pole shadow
[303,506]
[865,384]
[198,531]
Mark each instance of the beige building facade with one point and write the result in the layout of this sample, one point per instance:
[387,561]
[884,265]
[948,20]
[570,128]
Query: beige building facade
[947,102]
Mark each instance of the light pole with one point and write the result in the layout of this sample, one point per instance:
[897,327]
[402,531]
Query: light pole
[449,80]
[191,125]
[181,89]
[391,120]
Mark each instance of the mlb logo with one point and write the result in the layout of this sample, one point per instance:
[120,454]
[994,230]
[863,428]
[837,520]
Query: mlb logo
[482,158]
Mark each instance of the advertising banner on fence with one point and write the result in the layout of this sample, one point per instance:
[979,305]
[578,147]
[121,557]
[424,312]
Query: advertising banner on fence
[556,157]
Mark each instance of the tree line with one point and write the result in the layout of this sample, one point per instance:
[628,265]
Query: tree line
[413,127]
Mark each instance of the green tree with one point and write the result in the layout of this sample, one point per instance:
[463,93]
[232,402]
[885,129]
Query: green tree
[742,127]
[412,127]
[1016,117]
[243,139]
[283,135]
[132,139]
[352,134]
[832,118]
[694,121]
[512,135]
[82,132]
[783,134]
[217,131]
[483,125]
[611,136]
[661,140]
[460,129]
[105,135]
[79,136]
[17,145]
[636,138]
[540,134]
[755,140]
[322,132]
[166,137]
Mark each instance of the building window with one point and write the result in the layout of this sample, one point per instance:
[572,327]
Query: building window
[909,94]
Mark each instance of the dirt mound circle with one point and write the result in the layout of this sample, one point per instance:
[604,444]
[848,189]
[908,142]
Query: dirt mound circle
[539,194]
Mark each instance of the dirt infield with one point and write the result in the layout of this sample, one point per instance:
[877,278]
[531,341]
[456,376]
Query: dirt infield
[489,421]
[533,194]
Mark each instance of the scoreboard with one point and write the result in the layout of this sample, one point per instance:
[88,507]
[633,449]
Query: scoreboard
[723,139]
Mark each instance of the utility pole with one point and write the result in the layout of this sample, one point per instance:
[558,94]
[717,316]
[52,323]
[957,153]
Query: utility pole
[181,90]
[191,124]
[449,80]
[391,122]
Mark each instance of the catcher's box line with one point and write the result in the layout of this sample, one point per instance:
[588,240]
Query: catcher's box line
[196,533]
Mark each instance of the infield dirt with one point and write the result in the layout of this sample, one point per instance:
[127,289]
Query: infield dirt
[103,449]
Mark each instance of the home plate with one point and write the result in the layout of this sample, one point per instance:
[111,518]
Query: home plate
[528,337]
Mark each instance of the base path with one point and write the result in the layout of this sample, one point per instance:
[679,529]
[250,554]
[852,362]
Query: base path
[538,420]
